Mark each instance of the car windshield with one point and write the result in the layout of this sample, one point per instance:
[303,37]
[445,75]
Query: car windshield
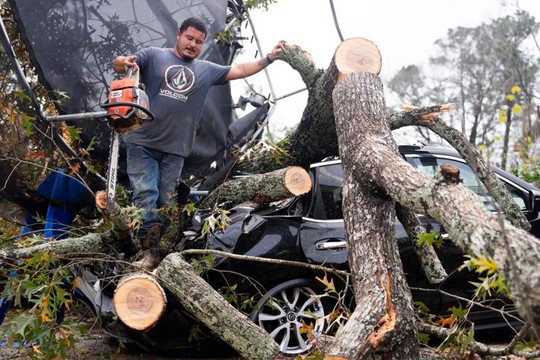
[430,165]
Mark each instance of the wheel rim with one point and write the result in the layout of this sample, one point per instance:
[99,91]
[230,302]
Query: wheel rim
[292,317]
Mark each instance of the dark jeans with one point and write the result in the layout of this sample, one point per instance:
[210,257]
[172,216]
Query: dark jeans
[153,176]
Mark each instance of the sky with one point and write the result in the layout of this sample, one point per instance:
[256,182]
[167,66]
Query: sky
[403,30]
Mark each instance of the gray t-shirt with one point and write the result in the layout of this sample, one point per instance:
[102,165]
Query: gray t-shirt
[176,90]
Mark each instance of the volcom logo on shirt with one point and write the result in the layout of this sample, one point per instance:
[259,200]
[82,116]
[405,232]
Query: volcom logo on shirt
[179,79]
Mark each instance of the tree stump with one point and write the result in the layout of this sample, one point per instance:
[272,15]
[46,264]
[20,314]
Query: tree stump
[139,301]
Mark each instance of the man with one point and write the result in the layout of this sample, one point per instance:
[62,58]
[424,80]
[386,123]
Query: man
[176,84]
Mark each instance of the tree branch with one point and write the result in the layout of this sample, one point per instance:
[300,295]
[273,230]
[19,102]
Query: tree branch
[428,117]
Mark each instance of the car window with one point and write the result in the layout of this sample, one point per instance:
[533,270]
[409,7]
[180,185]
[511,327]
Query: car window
[327,195]
[430,166]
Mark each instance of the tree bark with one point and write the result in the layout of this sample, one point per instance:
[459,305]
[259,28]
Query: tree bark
[474,230]
[198,297]
[261,188]
[429,118]
[383,321]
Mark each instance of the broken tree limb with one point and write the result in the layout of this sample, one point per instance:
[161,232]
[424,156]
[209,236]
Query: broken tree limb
[473,229]
[315,137]
[383,320]
[91,244]
[209,307]
[429,260]
[315,267]
[261,188]
[483,349]
[301,61]
[429,117]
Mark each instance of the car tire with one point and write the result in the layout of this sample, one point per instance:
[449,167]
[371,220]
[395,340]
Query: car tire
[294,314]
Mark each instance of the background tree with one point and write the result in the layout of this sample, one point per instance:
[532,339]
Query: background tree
[484,63]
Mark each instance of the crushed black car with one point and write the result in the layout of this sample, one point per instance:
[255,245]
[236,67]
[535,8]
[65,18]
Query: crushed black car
[310,229]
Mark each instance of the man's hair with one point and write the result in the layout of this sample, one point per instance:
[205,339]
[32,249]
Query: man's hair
[194,23]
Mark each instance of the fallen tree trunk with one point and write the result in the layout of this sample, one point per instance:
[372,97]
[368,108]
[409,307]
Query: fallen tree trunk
[209,307]
[383,320]
[474,230]
[261,188]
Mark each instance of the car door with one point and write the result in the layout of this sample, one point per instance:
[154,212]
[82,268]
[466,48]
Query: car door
[322,234]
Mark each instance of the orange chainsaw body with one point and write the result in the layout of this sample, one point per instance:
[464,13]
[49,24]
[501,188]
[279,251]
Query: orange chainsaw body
[123,116]
[122,90]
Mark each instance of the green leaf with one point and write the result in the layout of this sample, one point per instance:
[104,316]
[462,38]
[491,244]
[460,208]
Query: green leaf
[458,312]
[27,124]
[500,285]
[421,307]
[209,261]
[429,239]
[189,208]
[22,322]
[22,96]
[74,132]
[423,338]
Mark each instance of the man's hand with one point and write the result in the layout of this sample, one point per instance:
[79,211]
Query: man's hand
[280,46]
[122,63]
[250,68]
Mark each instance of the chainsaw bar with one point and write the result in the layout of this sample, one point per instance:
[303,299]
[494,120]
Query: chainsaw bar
[112,171]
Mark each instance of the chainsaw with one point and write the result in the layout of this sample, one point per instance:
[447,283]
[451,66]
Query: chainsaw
[126,109]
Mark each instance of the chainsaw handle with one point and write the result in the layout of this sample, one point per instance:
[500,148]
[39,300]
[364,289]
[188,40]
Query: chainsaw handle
[131,113]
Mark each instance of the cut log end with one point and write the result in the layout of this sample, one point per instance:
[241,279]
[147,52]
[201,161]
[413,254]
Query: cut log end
[357,54]
[139,301]
[297,180]
[450,173]
[101,200]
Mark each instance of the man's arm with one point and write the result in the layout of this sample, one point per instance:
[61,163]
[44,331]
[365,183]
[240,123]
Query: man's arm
[247,69]
[122,63]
